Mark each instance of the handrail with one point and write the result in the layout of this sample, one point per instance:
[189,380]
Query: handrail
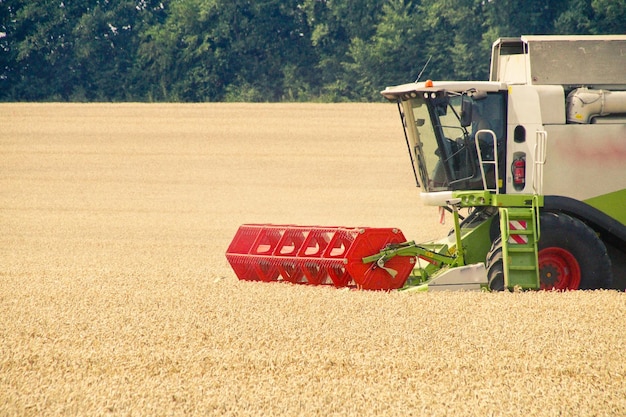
[540,160]
[504,225]
[493,162]
[536,222]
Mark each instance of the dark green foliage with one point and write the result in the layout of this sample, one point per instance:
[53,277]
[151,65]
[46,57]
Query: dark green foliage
[264,50]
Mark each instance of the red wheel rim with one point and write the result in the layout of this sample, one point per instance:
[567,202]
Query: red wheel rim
[558,269]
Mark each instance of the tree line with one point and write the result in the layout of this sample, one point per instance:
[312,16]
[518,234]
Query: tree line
[264,50]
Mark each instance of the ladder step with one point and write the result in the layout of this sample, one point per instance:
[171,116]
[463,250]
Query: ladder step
[521,231]
[525,279]
[521,249]
[522,267]
[520,216]
[515,214]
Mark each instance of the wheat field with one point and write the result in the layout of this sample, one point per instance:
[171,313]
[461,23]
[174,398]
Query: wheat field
[116,297]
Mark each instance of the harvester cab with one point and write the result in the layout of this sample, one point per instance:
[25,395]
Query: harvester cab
[536,155]
[452,136]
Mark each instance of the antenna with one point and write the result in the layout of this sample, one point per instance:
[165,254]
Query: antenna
[422,71]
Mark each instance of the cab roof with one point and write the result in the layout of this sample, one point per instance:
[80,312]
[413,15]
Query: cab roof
[394,93]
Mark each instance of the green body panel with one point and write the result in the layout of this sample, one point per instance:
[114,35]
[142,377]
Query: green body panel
[613,204]
[475,242]
[486,198]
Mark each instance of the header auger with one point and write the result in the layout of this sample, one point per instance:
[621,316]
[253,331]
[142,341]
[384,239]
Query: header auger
[538,156]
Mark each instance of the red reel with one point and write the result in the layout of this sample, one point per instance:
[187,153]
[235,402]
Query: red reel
[316,255]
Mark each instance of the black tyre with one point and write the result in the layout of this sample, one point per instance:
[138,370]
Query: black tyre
[571,256]
[495,266]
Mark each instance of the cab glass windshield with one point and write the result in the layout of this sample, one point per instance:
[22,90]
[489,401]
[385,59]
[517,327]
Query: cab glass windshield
[444,151]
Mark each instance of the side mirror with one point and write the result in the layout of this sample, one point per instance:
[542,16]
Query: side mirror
[466,111]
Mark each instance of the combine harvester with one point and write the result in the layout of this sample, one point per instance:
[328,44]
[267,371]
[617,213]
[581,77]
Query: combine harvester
[538,156]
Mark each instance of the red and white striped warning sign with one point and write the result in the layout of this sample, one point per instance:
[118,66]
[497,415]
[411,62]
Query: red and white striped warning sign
[515,238]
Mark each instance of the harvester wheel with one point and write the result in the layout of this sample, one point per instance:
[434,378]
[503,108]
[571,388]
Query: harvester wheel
[495,266]
[571,256]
